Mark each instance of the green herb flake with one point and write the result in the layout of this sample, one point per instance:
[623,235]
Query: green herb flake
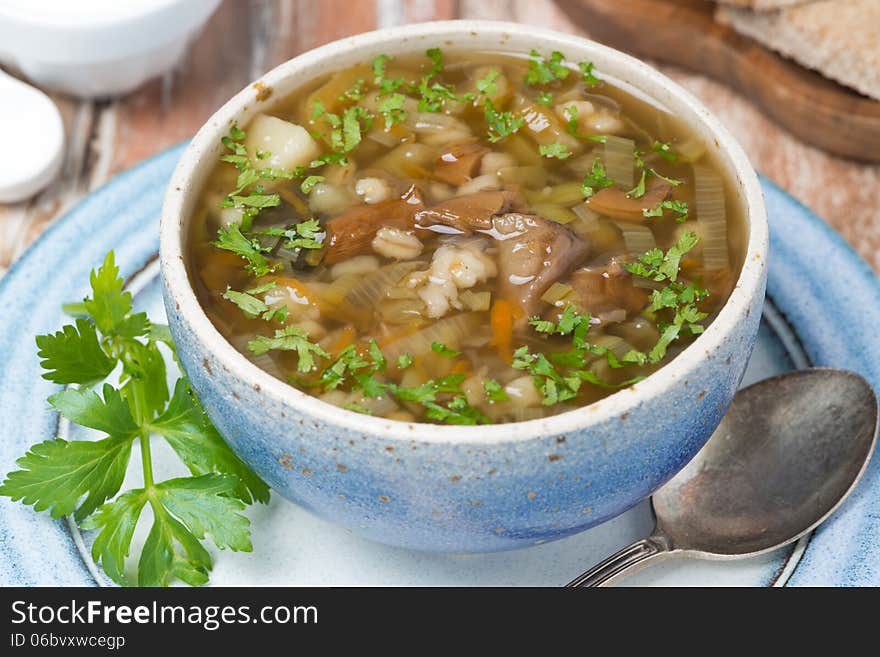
[391,108]
[544,98]
[544,71]
[230,238]
[290,338]
[557,150]
[501,124]
[443,350]
[664,150]
[597,179]
[487,85]
[588,74]
[309,183]
[494,391]
[680,208]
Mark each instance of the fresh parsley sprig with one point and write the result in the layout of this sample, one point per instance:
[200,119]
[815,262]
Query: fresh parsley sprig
[84,477]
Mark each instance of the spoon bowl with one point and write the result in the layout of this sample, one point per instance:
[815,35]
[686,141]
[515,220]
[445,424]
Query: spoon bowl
[787,453]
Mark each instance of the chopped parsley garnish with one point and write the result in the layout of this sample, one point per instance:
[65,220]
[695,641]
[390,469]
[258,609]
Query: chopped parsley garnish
[305,235]
[544,71]
[290,338]
[639,190]
[487,85]
[572,127]
[443,350]
[552,384]
[587,73]
[664,150]
[557,150]
[254,307]
[494,391]
[355,93]
[501,124]
[597,179]
[680,208]
[391,108]
[231,239]
[351,126]
[248,195]
[379,64]
[677,296]
[309,183]
[404,361]
[544,98]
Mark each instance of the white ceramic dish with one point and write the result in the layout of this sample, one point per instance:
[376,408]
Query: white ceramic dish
[97,47]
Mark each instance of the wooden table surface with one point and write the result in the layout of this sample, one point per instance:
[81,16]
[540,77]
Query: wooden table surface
[248,37]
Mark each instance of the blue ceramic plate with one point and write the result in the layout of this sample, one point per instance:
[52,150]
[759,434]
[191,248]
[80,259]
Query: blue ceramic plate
[823,309]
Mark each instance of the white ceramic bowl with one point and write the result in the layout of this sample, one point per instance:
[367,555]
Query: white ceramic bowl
[97,47]
[465,488]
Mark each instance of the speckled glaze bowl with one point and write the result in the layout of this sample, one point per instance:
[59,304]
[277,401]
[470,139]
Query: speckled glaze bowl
[452,488]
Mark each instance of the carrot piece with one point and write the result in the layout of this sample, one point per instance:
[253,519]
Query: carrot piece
[461,367]
[345,340]
[298,286]
[501,321]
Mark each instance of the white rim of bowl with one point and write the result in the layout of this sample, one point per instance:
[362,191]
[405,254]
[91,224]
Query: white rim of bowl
[172,239]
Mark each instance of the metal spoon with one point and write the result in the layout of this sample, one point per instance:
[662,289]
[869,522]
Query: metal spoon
[788,452]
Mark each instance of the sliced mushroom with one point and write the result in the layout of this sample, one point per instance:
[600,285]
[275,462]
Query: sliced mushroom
[614,202]
[602,290]
[458,164]
[467,213]
[533,253]
[352,232]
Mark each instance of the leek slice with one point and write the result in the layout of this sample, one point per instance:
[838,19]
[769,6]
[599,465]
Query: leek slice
[711,217]
[620,161]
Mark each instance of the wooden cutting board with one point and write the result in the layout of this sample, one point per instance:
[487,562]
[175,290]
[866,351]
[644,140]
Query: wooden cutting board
[683,33]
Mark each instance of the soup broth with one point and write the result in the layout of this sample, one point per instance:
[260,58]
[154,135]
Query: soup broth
[464,237]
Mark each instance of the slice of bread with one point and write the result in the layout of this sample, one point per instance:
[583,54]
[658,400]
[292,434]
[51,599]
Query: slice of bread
[763,5]
[838,38]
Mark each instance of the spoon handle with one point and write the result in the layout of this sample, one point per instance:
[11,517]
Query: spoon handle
[630,558]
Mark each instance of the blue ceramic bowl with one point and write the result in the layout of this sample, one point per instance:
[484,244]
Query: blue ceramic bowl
[465,488]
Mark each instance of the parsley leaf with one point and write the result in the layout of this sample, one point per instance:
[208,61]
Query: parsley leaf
[588,74]
[501,124]
[664,150]
[487,85]
[55,475]
[391,108]
[639,190]
[680,208]
[74,355]
[557,150]
[542,71]
[597,179]
[309,183]
[290,338]
[230,238]
[443,350]
[494,391]
[196,441]
[185,511]
[109,306]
